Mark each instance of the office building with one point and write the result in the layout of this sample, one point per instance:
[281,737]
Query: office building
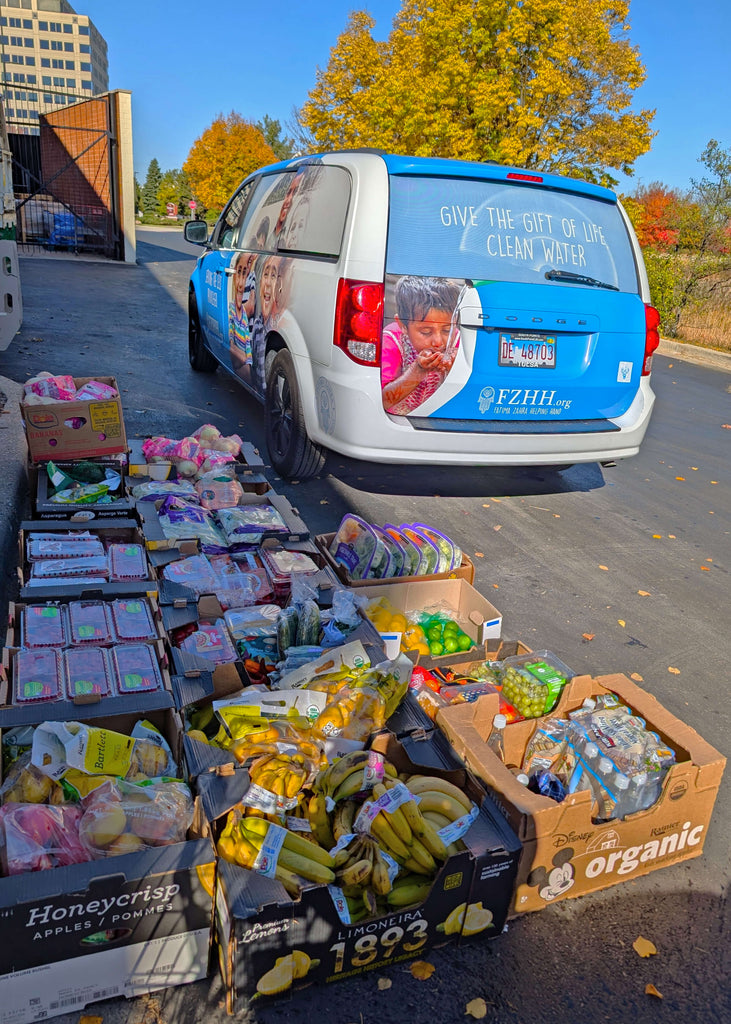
[50,57]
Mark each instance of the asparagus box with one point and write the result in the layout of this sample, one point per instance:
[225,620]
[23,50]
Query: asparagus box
[257,922]
[565,852]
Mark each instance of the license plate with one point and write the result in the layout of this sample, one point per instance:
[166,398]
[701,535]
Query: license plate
[527,350]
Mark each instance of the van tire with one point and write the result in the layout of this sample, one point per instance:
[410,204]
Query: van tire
[199,357]
[293,455]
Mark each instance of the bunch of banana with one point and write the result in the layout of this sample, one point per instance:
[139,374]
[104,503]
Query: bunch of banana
[284,775]
[345,777]
[408,890]
[362,873]
[351,713]
[299,861]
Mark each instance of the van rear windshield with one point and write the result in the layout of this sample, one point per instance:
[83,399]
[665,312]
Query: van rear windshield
[501,231]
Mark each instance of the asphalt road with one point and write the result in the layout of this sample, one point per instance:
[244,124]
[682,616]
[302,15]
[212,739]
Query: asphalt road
[635,555]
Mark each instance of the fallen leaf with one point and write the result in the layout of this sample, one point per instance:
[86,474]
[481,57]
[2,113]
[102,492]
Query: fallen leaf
[650,990]
[90,1020]
[714,481]
[644,947]
[644,593]
[324,501]
[711,513]
[675,671]
[604,567]
[709,559]
[704,568]
[384,983]
[657,536]
[495,586]
[726,426]
[422,970]
[556,515]
[670,366]
[637,677]
[680,478]
[479,554]
[671,536]
[476,1008]
[694,468]
[588,636]
[622,623]
[485,506]
[497,527]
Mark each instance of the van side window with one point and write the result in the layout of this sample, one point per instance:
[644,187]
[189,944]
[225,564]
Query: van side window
[255,230]
[228,222]
[315,219]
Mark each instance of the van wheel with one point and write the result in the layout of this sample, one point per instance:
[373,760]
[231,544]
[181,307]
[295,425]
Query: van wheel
[199,357]
[293,454]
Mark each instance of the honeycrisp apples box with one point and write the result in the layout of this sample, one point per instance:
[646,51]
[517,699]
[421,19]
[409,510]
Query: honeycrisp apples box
[565,853]
[120,926]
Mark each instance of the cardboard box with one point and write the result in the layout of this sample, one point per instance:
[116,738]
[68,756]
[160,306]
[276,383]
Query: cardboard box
[465,572]
[297,530]
[565,854]
[479,619]
[249,464]
[127,925]
[257,922]
[118,531]
[73,430]
[40,487]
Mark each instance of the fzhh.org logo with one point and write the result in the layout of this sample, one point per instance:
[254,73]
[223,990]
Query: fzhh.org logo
[487,397]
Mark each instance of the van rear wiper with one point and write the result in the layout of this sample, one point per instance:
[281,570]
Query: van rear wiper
[567,275]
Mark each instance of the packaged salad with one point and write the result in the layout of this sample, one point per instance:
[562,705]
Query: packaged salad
[358,549]
[412,556]
[450,556]
[428,551]
[396,555]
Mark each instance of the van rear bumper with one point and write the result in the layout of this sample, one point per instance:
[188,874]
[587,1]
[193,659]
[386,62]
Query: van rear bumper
[359,428]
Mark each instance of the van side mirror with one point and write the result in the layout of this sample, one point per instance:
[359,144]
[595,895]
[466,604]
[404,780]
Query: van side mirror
[196,232]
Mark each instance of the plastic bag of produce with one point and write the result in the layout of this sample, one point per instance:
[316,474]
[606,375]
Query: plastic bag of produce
[36,837]
[122,817]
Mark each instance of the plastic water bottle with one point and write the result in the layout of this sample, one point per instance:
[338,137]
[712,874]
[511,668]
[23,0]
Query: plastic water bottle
[607,793]
[621,786]
[496,739]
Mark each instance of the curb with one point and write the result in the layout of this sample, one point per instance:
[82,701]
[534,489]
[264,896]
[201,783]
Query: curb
[695,354]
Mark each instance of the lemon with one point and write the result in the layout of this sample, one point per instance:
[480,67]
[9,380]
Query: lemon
[398,623]
[476,919]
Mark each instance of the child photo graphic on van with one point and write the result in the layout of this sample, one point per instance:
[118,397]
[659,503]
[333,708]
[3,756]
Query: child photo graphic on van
[419,346]
[241,310]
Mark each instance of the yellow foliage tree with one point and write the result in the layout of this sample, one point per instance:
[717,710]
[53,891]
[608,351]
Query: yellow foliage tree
[225,153]
[542,84]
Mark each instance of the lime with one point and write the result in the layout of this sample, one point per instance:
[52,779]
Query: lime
[450,643]
[435,648]
[450,626]
[434,632]
[464,642]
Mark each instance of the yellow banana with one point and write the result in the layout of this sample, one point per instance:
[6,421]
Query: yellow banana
[343,819]
[319,821]
[421,855]
[350,786]
[369,902]
[439,820]
[356,874]
[395,818]
[407,895]
[433,842]
[430,784]
[380,879]
[293,842]
[413,865]
[338,772]
[386,836]
[442,803]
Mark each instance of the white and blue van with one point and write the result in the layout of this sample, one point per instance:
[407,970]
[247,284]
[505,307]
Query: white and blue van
[412,310]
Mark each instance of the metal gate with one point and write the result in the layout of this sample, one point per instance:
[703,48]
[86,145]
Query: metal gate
[65,181]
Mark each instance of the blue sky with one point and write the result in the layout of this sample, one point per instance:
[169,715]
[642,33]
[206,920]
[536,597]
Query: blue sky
[186,63]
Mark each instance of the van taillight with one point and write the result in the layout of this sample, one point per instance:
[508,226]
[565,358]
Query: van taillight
[652,337]
[359,321]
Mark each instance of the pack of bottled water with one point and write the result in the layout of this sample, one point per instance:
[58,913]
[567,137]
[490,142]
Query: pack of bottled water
[604,748]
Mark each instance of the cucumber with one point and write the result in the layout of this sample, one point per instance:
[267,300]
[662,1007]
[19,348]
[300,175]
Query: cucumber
[287,625]
[308,628]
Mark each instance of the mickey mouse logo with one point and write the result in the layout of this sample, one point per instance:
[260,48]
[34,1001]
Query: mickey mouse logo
[556,882]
